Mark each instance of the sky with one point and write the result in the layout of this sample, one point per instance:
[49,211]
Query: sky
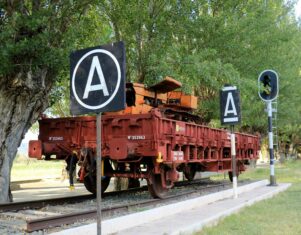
[298,9]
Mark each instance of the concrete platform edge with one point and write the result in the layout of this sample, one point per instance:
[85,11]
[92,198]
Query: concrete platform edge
[135,219]
[213,220]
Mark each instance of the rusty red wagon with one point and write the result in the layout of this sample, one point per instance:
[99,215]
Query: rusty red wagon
[154,140]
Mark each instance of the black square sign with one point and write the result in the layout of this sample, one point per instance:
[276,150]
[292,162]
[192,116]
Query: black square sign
[230,105]
[97,81]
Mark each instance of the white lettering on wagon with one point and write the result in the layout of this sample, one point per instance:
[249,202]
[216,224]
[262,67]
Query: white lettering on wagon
[177,155]
[136,137]
[56,138]
[180,128]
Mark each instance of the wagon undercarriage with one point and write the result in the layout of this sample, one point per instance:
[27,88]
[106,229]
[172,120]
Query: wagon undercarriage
[160,175]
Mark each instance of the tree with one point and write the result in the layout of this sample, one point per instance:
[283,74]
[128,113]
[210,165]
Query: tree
[204,44]
[36,37]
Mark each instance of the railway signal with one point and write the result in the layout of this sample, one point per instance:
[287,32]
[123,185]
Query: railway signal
[230,114]
[268,91]
[268,85]
[97,85]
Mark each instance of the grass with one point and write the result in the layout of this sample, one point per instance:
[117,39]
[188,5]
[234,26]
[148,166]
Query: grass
[26,168]
[279,215]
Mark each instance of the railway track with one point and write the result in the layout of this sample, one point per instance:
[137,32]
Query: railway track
[51,221]
[75,199]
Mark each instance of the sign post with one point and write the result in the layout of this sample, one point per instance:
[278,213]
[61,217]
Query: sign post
[98,171]
[230,114]
[268,91]
[233,160]
[98,85]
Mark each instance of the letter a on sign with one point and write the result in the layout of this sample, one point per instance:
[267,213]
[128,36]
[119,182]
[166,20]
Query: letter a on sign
[230,105]
[102,86]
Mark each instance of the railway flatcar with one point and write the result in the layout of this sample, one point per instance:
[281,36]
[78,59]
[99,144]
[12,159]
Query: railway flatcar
[154,138]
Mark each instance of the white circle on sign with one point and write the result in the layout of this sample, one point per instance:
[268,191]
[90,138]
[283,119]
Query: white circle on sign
[117,85]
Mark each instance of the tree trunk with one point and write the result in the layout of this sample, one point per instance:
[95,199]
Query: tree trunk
[21,102]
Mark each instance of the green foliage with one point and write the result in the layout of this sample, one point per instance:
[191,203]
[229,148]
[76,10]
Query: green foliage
[39,35]
[90,31]
[203,44]
[30,37]
[206,44]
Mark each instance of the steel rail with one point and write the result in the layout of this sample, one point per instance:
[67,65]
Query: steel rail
[14,206]
[52,221]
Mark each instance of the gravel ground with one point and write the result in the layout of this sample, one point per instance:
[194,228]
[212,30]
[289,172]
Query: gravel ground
[14,222]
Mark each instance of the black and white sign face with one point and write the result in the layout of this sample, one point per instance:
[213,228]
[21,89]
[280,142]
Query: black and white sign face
[98,79]
[230,105]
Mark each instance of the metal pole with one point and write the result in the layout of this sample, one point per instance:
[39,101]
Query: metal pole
[271,147]
[233,155]
[98,172]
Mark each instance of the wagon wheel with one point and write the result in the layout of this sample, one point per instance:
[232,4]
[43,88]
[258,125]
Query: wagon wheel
[91,184]
[90,179]
[189,172]
[155,187]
